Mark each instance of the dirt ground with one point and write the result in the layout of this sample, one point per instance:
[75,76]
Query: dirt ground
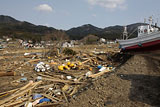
[133,84]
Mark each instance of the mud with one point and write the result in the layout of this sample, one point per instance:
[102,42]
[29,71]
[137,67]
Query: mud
[133,84]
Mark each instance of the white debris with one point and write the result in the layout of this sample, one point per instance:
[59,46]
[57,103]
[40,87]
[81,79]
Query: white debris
[88,73]
[39,78]
[41,66]
[50,88]
[68,77]
[75,79]
[102,69]
[57,92]
[28,104]
[25,54]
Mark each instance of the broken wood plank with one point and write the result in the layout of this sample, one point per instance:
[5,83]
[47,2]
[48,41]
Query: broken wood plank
[86,61]
[75,90]
[20,93]
[8,92]
[29,98]
[45,86]
[12,73]
[62,81]
[33,60]
[25,87]
[50,97]
[20,105]
[16,102]
[48,76]
[48,105]
[65,96]
[99,74]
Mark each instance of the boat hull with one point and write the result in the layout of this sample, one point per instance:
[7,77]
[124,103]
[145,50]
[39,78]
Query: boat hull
[144,43]
[149,46]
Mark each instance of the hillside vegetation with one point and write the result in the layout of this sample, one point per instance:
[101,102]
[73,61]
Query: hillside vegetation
[25,30]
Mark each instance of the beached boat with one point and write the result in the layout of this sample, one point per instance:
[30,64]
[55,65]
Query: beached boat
[148,39]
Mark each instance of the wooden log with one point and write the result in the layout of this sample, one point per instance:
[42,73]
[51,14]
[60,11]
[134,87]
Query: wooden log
[54,99]
[62,81]
[20,105]
[25,87]
[52,75]
[45,86]
[7,92]
[20,93]
[16,102]
[7,73]
[86,61]
[33,60]
[65,96]
[48,76]
[29,98]
[99,74]
[48,105]
[74,90]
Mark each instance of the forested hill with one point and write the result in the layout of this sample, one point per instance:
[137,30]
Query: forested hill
[25,30]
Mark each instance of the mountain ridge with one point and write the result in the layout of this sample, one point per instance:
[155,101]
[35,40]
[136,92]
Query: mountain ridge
[111,32]
[26,30]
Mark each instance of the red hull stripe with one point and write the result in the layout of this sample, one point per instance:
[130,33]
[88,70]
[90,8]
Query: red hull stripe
[149,46]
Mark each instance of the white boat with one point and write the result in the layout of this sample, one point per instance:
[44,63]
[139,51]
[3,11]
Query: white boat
[148,39]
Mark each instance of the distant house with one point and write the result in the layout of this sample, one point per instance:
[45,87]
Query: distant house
[111,42]
[102,40]
[42,42]
[38,46]
[67,44]
[27,44]
[30,41]
[20,41]
[49,44]
[8,39]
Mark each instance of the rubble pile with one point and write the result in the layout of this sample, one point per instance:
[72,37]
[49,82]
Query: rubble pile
[41,66]
[53,80]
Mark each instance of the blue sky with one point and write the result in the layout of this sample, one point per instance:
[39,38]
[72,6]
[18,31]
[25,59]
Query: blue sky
[65,14]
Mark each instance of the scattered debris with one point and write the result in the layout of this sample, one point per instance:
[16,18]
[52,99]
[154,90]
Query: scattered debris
[68,51]
[42,67]
[54,78]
